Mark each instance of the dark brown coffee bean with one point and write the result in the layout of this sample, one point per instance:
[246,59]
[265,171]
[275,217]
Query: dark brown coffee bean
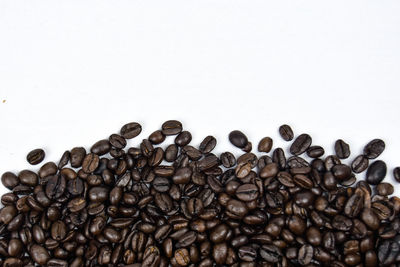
[270,253]
[101,147]
[247,192]
[131,130]
[39,254]
[117,141]
[49,168]
[305,255]
[77,156]
[9,180]
[55,186]
[236,209]
[342,149]
[374,148]
[265,144]
[286,132]
[183,138]
[376,172]
[228,159]
[28,177]
[238,139]
[300,144]
[171,127]
[315,151]
[384,189]
[35,156]
[359,164]
[90,163]
[208,144]
[157,137]
[182,256]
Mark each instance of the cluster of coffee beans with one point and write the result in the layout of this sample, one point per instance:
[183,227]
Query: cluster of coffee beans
[182,205]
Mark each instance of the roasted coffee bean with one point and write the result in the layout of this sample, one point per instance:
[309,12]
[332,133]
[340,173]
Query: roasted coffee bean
[376,172]
[384,189]
[374,148]
[208,144]
[101,147]
[359,164]
[171,127]
[131,130]
[315,151]
[238,139]
[388,252]
[247,192]
[300,144]
[27,177]
[39,254]
[182,256]
[55,186]
[228,160]
[77,156]
[35,156]
[9,180]
[171,153]
[270,253]
[265,145]
[286,132]
[117,141]
[305,254]
[342,149]
[49,168]
[90,163]
[183,138]
[247,253]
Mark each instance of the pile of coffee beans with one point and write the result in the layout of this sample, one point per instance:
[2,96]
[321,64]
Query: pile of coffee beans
[182,205]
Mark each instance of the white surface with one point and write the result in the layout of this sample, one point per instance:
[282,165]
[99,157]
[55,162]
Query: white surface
[72,72]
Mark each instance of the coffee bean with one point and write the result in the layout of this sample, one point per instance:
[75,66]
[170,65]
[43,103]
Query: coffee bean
[35,156]
[228,159]
[286,132]
[39,254]
[77,156]
[342,149]
[384,189]
[396,174]
[315,151]
[55,186]
[238,139]
[49,168]
[300,144]
[9,180]
[247,192]
[171,127]
[28,177]
[359,164]
[117,141]
[270,253]
[182,257]
[208,144]
[183,138]
[131,130]
[374,148]
[265,144]
[305,255]
[376,172]
[90,163]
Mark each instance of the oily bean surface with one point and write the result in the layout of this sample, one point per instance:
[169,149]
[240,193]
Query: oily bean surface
[35,156]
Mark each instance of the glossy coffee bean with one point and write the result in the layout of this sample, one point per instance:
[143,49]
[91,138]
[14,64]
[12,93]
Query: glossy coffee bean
[238,139]
[9,180]
[376,172]
[342,149]
[359,164]
[77,156]
[396,174]
[171,127]
[286,132]
[265,145]
[131,130]
[35,156]
[300,144]
[374,148]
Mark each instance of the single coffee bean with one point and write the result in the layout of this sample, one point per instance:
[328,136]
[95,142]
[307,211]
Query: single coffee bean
[270,253]
[247,192]
[39,254]
[101,147]
[171,127]
[396,174]
[183,138]
[359,164]
[286,132]
[306,253]
[208,144]
[9,180]
[117,141]
[77,156]
[384,189]
[157,137]
[131,130]
[300,144]
[376,172]
[49,168]
[90,163]
[65,158]
[27,177]
[342,149]
[374,148]
[35,156]
[265,144]
[315,151]
[182,256]
[55,186]
[228,160]
[238,139]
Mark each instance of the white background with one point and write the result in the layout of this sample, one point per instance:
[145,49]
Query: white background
[73,72]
